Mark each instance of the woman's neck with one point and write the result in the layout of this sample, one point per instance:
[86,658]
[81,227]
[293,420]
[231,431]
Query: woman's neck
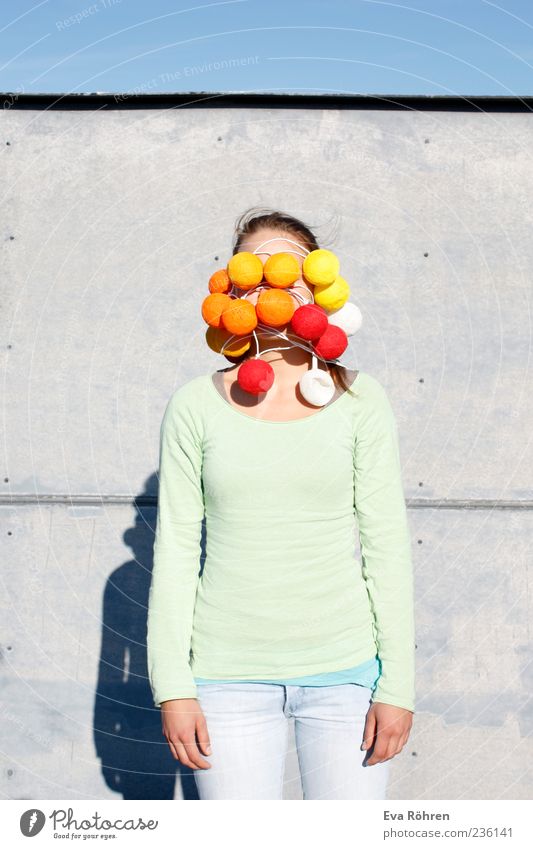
[289,361]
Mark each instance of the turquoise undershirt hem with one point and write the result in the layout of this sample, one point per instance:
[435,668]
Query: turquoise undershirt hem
[365,674]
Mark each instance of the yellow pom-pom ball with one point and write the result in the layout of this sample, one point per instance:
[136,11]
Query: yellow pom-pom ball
[216,336]
[334,296]
[219,281]
[245,269]
[239,316]
[281,270]
[275,307]
[321,267]
[213,307]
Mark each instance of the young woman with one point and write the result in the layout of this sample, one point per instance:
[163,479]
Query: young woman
[283,621]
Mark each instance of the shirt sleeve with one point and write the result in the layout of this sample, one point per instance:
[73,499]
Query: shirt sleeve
[385,548]
[176,555]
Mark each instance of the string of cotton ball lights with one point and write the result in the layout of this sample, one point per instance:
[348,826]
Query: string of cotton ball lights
[323,323]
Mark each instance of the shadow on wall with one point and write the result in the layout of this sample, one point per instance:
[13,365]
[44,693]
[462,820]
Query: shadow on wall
[135,757]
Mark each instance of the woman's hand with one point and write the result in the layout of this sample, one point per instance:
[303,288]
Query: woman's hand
[185,728]
[387,728]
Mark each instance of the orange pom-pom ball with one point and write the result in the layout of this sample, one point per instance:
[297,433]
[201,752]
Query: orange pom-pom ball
[281,270]
[332,343]
[239,316]
[219,281]
[217,336]
[309,321]
[275,307]
[245,269]
[213,306]
[255,376]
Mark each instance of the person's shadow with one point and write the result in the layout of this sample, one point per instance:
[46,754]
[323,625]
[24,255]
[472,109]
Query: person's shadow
[135,757]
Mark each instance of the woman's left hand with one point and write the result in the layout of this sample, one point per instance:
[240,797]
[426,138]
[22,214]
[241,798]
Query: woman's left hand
[387,728]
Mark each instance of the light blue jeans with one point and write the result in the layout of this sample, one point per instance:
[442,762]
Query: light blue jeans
[248,730]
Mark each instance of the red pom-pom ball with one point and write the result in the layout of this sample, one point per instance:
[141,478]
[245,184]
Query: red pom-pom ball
[309,321]
[255,376]
[332,343]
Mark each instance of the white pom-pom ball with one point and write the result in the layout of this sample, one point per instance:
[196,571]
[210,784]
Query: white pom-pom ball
[317,387]
[348,318]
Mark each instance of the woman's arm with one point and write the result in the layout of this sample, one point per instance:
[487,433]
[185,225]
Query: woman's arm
[385,546]
[177,550]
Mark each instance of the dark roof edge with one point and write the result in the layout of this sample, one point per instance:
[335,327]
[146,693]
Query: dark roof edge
[225,100]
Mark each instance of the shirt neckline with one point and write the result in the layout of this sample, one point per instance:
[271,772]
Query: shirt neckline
[322,411]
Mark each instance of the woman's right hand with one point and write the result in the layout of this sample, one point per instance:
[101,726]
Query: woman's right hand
[185,729]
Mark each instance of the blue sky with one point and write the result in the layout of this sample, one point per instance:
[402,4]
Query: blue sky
[450,47]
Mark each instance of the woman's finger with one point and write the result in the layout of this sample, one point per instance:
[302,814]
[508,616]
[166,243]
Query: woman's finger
[369,730]
[202,735]
[180,748]
[173,749]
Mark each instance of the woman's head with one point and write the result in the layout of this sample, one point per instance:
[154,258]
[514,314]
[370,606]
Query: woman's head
[254,220]
[268,240]
[257,226]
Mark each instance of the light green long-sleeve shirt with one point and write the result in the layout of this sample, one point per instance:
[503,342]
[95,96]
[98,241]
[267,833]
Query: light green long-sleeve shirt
[282,593]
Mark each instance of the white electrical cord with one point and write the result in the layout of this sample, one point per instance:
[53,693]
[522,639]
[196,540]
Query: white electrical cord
[280,238]
[267,329]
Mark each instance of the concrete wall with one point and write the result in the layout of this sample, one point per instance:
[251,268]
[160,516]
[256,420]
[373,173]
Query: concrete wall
[113,222]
